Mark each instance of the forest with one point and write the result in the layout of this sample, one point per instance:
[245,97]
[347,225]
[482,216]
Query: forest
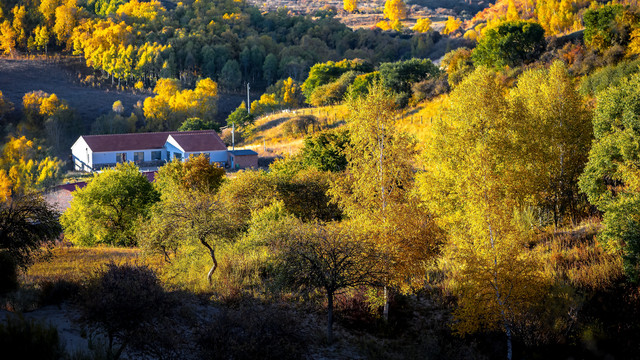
[477,206]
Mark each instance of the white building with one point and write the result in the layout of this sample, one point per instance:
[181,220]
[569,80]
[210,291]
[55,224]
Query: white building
[94,152]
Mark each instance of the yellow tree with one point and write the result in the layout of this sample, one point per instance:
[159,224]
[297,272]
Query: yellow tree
[351,5]
[24,168]
[48,10]
[375,191]
[476,182]
[395,10]
[7,37]
[42,38]
[19,19]
[451,26]
[512,11]
[423,25]
[66,19]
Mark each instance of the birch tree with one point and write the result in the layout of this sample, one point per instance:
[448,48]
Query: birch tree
[476,184]
[378,183]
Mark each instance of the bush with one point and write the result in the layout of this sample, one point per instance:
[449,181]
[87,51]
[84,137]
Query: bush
[8,273]
[28,339]
[428,89]
[299,125]
[123,300]
[253,332]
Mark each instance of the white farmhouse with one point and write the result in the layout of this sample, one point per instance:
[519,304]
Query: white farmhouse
[94,152]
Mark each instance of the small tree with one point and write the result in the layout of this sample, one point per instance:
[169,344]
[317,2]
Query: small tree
[327,257]
[107,210]
[26,223]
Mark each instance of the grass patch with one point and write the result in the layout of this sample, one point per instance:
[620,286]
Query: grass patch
[76,263]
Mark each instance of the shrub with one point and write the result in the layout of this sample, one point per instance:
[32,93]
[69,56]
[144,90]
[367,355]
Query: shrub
[8,273]
[253,332]
[123,300]
[28,339]
[300,125]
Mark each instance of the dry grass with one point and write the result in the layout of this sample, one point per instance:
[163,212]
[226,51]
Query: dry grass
[75,263]
[574,255]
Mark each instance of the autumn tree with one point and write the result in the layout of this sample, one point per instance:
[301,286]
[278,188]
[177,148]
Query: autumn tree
[172,105]
[476,185]
[7,37]
[66,19]
[190,213]
[422,25]
[108,210]
[350,6]
[377,183]
[25,167]
[546,103]
[42,38]
[395,10]
[451,25]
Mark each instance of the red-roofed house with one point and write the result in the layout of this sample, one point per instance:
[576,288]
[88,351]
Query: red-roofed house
[94,152]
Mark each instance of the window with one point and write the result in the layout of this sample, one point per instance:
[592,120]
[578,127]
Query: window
[177,156]
[168,155]
[138,157]
[156,155]
[121,157]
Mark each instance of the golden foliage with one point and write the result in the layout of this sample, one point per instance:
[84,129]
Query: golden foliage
[395,10]
[422,25]
[452,25]
[172,105]
[350,5]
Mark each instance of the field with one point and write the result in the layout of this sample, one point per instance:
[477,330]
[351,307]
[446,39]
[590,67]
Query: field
[62,77]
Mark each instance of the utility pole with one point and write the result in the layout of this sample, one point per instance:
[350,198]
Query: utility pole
[248,103]
[233,136]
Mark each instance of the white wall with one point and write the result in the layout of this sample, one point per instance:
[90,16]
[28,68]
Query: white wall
[82,155]
[110,157]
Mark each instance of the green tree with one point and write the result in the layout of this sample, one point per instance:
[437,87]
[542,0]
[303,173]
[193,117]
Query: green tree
[399,76]
[330,258]
[604,27]
[190,212]
[27,223]
[108,210]
[611,176]
[194,123]
[231,76]
[325,73]
[511,43]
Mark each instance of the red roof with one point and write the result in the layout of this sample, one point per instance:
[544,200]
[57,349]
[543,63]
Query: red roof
[194,142]
[205,140]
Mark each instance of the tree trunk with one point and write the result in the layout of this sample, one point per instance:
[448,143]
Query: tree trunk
[385,309]
[330,317]
[212,252]
[213,267]
[507,329]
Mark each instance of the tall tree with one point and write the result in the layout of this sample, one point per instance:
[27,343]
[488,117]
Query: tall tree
[546,102]
[612,175]
[377,183]
[476,184]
